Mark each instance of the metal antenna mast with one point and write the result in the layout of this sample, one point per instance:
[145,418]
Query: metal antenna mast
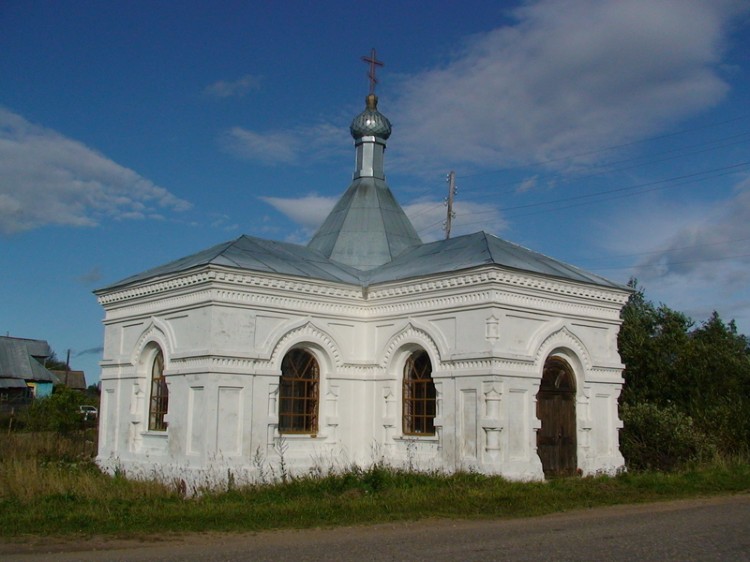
[373,61]
[449,203]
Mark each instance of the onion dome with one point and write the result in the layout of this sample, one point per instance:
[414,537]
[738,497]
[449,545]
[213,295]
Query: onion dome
[370,123]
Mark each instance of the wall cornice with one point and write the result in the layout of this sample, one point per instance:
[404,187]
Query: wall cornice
[497,276]
[232,278]
[476,288]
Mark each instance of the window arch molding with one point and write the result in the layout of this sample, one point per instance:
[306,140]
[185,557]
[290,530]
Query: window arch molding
[156,332]
[308,336]
[574,363]
[567,345]
[411,336]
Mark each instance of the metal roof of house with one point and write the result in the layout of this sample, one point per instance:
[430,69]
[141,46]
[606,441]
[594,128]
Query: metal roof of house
[72,379]
[18,363]
[455,254]
[254,254]
[475,250]
[366,228]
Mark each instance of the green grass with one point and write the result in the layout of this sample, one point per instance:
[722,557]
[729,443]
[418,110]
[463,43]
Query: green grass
[69,496]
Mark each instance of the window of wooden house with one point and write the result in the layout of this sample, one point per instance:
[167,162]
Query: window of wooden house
[420,403]
[159,402]
[298,393]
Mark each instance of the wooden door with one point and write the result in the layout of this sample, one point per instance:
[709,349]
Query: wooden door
[556,409]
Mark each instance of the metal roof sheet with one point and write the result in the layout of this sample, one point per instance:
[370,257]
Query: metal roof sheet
[253,254]
[455,254]
[474,250]
[12,383]
[17,359]
[366,228]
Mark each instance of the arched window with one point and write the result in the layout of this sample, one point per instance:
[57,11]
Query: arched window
[420,404]
[159,401]
[298,393]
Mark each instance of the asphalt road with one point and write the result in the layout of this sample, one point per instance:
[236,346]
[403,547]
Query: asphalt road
[705,529]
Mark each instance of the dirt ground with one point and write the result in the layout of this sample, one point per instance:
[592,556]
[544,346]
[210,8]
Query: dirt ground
[701,529]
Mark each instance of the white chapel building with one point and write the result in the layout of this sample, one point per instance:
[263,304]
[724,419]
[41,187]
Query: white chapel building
[366,345]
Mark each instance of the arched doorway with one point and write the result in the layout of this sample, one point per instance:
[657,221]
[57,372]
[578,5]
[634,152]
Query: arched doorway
[556,408]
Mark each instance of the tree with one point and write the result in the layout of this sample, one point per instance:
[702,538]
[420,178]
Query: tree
[58,412]
[52,363]
[652,341]
[703,372]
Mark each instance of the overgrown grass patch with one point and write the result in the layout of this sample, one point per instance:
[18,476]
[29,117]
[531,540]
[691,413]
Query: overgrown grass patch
[69,496]
[120,507]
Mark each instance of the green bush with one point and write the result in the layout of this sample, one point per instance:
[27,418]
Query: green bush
[58,412]
[661,438]
[728,423]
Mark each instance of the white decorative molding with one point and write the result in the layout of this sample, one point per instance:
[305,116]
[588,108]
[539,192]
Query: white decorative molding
[310,333]
[411,334]
[122,310]
[492,329]
[236,287]
[156,331]
[241,297]
[214,363]
[503,277]
[563,338]
[145,289]
[489,365]
[502,298]
[289,300]
[234,277]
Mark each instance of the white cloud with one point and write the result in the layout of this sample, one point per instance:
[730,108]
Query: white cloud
[428,217]
[237,88]
[48,179]
[528,184]
[309,211]
[222,222]
[277,147]
[568,77]
[695,257]
[291,147]
[714,249]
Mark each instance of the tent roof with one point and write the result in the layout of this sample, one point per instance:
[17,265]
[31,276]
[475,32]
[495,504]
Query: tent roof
[455,254]
[254,254]
[478,249]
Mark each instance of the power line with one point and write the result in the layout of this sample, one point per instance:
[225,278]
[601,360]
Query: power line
[725,170]
[600,197]
[613,147]
[683,262]
[677,249]
[604,167]
[426,209]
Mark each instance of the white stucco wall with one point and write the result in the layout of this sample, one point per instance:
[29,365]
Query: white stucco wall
[224,333]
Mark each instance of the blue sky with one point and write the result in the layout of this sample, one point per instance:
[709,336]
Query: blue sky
[614,135]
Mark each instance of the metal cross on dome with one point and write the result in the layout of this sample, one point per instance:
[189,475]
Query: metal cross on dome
[373,61]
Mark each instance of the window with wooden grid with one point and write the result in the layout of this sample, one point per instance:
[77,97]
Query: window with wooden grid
[159,401]
[298,393]
[420,396]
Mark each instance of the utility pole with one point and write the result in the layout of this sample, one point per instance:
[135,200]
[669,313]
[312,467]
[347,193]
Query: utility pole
[67,368]
[449,203]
